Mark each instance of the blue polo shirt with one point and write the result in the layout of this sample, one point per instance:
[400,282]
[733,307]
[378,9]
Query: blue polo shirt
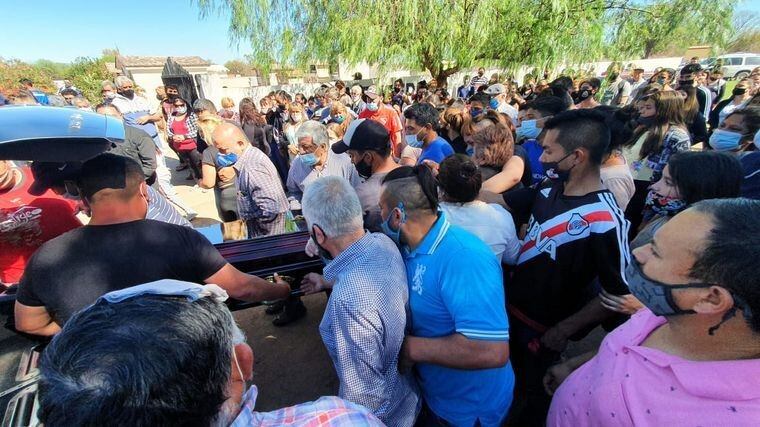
[455,286]
[437,150]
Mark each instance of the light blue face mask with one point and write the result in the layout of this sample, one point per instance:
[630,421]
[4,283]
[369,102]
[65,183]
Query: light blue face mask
[470,151]
[412,141]
[494,103]
[723,140]
[385,226]
[309,159]
[528,129]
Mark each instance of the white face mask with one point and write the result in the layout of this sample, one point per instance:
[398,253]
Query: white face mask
[296,117]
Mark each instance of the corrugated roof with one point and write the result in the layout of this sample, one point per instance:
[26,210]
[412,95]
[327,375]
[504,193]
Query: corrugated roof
[159,61]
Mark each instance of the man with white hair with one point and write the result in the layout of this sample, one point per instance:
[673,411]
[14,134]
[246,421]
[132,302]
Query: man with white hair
[315,160]
[364,321]
[136,112]
[181,360]
[357,103]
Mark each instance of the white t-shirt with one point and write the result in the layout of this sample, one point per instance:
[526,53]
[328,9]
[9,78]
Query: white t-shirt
[489,222]
[619,181]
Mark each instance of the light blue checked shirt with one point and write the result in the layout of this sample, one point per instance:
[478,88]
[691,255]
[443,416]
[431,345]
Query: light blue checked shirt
[301,175]
[363,328]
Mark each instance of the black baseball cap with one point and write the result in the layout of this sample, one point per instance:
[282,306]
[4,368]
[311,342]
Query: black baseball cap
[106,171]
[363,135]
[52,174]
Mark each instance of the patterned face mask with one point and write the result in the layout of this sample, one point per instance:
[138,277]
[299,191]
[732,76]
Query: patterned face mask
[664,205]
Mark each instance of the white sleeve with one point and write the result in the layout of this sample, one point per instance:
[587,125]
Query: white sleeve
[511,241]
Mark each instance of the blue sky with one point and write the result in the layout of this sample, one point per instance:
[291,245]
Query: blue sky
[61,30]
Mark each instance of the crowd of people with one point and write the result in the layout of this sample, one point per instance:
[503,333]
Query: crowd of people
[468,238]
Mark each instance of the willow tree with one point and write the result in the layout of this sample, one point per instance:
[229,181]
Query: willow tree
[669,26]
[440,36]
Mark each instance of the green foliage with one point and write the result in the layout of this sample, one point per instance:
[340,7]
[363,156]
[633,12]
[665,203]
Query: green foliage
[239,67]
[87,74]
[12,70]
[642,30]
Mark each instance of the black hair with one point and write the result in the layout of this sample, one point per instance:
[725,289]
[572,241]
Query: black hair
[414,186]
[460,178]
[398,81]
[701,175]
[171,86]
[750,119]
[586,129]
[564,82]
[546,105]
[729,258]
[691,69]
[283,95]
[107,105]
[109,171]
[423,114]
[558,92]
[621,123]
[148,360]
[26,81]
[69,92]
[593,82]
[481,97]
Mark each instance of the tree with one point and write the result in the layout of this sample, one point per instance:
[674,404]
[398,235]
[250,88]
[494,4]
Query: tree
[657,26]
[239,67]
[746,33]
[12,70]
[440,36]
[87,74]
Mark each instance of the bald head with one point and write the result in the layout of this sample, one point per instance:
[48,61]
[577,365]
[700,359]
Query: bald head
[229,138]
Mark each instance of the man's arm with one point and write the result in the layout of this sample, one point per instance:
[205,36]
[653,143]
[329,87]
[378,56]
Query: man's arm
[247,287]
[591,314]
[34,320]
[456,351]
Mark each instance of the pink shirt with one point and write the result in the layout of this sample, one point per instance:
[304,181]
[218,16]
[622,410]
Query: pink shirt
[626,384]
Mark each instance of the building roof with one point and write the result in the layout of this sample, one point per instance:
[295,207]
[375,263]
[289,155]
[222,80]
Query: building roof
[159,61]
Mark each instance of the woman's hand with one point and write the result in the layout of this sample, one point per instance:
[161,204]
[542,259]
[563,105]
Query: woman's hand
[626,304]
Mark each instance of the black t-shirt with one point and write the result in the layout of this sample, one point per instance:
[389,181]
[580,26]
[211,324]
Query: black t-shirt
[527,176]
[571,240]
[71,271]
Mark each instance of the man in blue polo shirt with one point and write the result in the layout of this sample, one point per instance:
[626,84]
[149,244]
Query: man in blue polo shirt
[458,321]
[420,124]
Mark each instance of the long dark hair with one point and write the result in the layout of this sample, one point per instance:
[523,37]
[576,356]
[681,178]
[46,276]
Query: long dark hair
[690,104]
[669,113]
[249,114]
[701,175]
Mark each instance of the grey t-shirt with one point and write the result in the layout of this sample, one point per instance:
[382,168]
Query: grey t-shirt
[368,191]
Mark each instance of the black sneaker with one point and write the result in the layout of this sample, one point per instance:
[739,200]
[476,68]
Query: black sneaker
[292,312]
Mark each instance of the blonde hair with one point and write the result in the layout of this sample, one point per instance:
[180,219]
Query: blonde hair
[207,125]
[227,102]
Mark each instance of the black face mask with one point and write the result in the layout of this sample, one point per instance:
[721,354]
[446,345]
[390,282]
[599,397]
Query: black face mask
[128,93]
[582,95]
[739,91]
[323,253]
[646,121]
[364,169]
[173,96]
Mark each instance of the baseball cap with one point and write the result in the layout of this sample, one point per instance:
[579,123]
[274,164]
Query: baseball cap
[495,89]
[363,134]
[106,171]
[371,92]
[52,174]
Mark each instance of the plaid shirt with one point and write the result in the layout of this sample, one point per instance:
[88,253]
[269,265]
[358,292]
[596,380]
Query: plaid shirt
[260,195]
[363,328]
[192,126]
[675,141]
[326,411]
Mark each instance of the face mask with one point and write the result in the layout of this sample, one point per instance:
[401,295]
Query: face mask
[413,142]
[646,121]
[664,205]
[339,119]
[395,235]
[309,159]
[656,296]
[469,151]
[225,160]
[528,129]
[475,112]
[128,93]
[494,104]
[180,111]
[582,96]
[323,253]
[364,169]
[109,95]
[723,140]
[356,98]
[661,80]
[372,106]
[553,172]
[738,91]
[295,117]
[686,83]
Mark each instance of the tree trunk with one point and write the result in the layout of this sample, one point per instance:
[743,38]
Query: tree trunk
[441,75]
[649,48]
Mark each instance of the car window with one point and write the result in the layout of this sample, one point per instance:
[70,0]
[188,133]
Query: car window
[736,60]
[753,60]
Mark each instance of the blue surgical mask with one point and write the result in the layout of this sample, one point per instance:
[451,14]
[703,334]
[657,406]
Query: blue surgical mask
[528,129]
[372,106]
[470,151]
[723,140]
[309,159]
[385,226]
[494,104]
[225,160]
[339,119]
[413,142]
[475,112]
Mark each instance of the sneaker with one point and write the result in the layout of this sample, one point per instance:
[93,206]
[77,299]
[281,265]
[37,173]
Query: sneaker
[292,312]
